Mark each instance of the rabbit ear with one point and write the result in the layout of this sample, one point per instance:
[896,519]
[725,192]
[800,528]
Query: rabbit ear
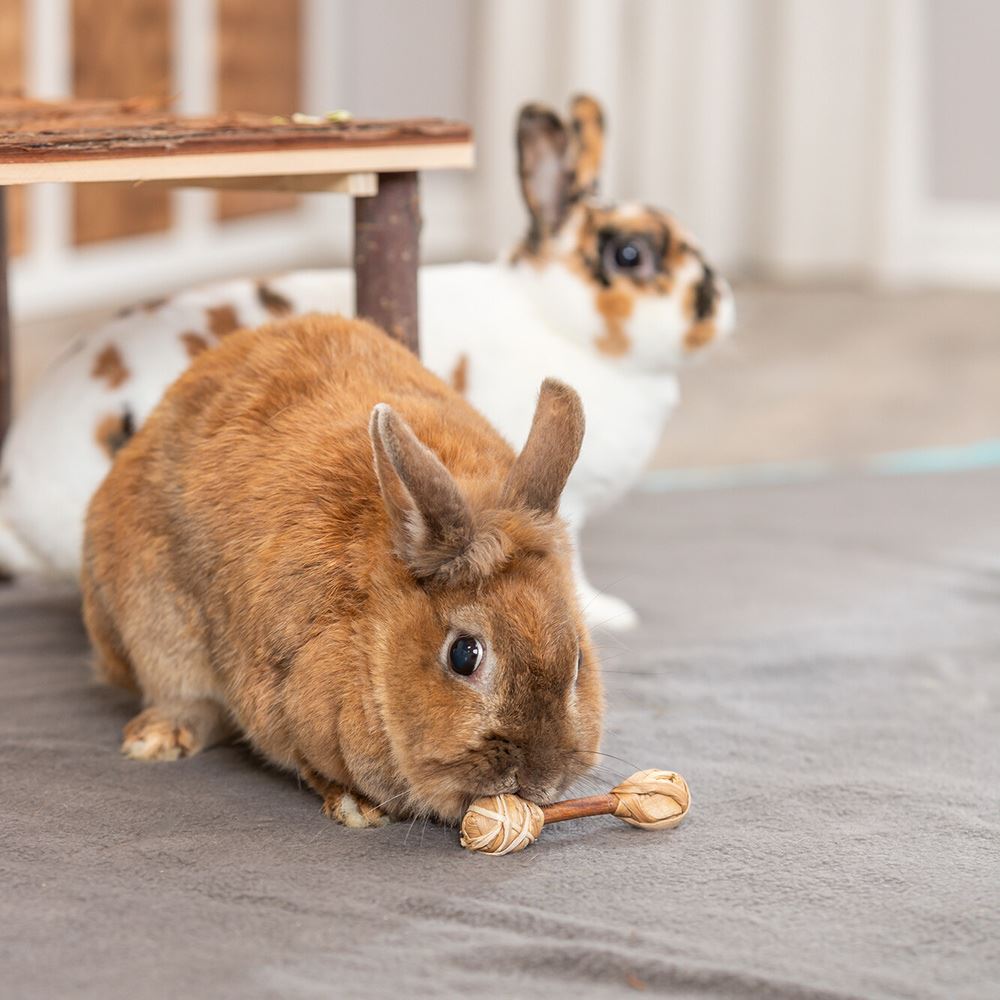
[586,145]
[539,474]
[542,145]
[430,519]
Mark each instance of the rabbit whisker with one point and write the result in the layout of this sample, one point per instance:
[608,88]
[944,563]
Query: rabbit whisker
[607,635]
[392,798]
[611,756]
[409,829]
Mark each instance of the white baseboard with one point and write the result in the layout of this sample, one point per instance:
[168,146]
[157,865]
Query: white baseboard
[89,278]
[66,281]
[947,243]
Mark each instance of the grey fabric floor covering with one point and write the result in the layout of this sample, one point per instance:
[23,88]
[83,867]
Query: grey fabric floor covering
[820,661]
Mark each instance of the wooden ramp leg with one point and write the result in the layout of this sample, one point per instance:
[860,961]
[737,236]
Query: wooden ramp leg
[6,375]
[387,254]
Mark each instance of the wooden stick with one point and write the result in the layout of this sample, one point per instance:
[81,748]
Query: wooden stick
[592,805]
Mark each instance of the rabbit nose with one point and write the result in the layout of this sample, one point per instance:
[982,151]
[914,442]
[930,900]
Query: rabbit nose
[541,793]
[504,785]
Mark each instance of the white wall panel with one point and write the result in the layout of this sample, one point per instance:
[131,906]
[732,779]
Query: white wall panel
[797,138]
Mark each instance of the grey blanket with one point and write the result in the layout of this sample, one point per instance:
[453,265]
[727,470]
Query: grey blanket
[821,663]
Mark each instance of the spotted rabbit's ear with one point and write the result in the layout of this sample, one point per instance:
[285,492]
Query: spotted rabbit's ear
[586,146]
[542,148]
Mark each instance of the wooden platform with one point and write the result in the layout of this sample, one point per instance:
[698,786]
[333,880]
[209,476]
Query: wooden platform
[129,140]
[376,162]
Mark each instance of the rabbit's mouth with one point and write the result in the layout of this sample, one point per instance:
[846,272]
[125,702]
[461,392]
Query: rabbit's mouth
[495,766]
[541,796]
[450,807]
[540,789]
[506,786]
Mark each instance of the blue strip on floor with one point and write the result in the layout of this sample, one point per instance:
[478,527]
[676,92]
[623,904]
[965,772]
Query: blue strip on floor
[981,455]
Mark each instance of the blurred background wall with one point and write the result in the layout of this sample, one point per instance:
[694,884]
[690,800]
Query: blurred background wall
[799,139]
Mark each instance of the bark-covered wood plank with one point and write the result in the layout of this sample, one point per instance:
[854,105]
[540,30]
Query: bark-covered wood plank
[12,44]
[258,66]
[35,131]
[120,48]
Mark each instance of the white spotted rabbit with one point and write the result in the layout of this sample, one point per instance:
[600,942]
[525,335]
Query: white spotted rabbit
[608,298]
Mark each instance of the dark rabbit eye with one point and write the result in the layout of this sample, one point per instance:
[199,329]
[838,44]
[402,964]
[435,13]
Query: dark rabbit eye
[630,256]
[465,655]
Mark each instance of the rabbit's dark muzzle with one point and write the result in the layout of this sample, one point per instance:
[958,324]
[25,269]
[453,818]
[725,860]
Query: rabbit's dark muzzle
[534,771]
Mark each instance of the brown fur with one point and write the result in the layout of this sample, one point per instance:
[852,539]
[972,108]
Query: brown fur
[460,374]
[615,304]
[699,335]
[222,320]
[274,302]
[587,122]
[112,433]
[110,366]
[553,446]
[194,343]
[242,561]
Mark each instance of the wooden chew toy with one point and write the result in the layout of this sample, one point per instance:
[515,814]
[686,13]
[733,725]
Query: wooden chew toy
[503,824]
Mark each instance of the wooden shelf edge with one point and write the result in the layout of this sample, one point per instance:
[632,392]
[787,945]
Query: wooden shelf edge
[363,185]
[242,165]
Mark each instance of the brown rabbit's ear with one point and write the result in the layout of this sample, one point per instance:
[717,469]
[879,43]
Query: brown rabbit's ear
[539,474]
[431,522]
[586,144]
[542,145]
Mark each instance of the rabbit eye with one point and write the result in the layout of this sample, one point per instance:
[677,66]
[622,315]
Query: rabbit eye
[629,256]
[465,654]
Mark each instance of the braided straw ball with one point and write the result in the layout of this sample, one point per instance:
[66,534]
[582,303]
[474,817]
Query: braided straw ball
[501,824]
[652,800]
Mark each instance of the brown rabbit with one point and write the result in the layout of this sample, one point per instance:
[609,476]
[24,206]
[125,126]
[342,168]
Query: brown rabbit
[390,612]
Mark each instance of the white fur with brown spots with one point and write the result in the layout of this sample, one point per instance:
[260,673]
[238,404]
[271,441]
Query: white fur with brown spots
[610,299]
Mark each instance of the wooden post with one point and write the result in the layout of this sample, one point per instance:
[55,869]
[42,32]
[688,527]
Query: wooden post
[386,256]
[6,374]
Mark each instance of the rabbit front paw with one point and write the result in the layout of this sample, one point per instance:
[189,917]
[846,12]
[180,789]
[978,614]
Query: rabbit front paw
[153,736]
[348,808]
[176,728]
[353,810]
